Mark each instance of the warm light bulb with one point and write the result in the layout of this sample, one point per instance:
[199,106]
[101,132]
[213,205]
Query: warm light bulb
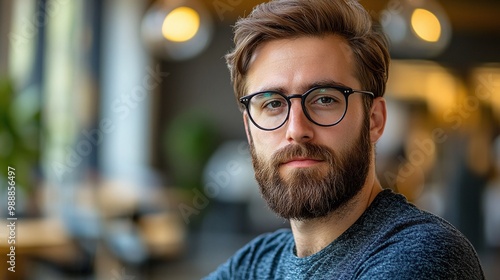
[181,24]
[426,25]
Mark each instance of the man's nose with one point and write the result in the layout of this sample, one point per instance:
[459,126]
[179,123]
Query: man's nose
[299,128]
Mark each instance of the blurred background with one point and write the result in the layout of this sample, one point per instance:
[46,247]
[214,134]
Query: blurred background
[129,152]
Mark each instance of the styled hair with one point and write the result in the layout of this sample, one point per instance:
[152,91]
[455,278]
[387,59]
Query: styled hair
[286,19]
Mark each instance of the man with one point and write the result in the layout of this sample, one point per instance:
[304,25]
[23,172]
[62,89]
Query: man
[310,77]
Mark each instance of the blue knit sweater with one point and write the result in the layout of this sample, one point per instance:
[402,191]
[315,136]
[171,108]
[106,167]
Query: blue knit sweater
[392,240]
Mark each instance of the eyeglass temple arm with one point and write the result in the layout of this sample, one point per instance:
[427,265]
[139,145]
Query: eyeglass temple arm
[365,92]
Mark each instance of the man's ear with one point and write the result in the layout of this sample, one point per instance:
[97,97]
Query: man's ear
[378,117]
[246,121]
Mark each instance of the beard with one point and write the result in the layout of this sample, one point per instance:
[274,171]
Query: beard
[308,193]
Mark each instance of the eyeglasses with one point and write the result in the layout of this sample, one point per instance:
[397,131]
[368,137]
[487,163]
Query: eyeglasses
[324,106]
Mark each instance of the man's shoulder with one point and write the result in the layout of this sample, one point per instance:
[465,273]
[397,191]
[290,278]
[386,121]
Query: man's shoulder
[408,241]
[395,209]
[400,222]
[267,241]
[422,251]
[256,258]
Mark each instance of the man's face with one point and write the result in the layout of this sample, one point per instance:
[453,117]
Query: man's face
[305,170]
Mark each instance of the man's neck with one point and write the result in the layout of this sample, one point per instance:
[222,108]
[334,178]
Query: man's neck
[311,236]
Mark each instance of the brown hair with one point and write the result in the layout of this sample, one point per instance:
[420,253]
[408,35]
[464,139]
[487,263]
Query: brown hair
[282,19]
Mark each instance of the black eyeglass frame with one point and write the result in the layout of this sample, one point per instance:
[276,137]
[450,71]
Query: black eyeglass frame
[346,91]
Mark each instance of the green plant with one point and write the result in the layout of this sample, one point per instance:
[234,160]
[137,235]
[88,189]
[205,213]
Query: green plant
[189,140]
[19,132]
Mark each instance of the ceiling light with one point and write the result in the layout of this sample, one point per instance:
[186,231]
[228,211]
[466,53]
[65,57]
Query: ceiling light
[177,29]
[416,28]
[426,25]
[181,24]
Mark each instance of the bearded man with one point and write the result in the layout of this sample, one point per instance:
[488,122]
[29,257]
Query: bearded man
[310,77]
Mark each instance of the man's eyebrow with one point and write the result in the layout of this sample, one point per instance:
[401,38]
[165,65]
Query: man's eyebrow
[271,89]
[325,83]
[320,83]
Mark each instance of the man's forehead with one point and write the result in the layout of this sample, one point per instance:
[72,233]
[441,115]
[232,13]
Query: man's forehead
[299,63]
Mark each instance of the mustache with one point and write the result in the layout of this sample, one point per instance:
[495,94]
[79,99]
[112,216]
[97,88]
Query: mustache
[306,150]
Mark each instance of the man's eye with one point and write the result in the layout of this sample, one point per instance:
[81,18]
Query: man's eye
[273,104]
[325,100]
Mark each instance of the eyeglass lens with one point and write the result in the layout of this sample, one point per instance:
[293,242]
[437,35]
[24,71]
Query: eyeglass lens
[324,106]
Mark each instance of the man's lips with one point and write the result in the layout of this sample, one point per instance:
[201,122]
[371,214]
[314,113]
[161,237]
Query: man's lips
[301,162]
